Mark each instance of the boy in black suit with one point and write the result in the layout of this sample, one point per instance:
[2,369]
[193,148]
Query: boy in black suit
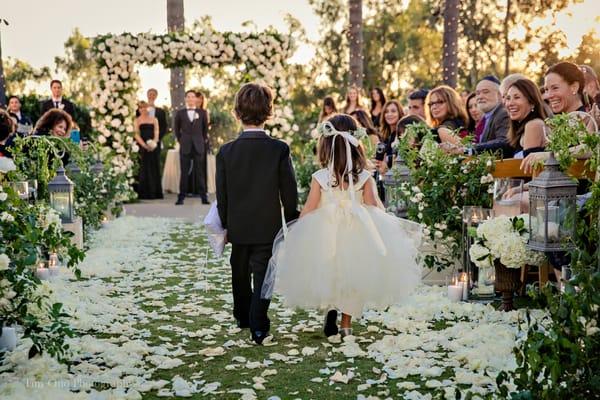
[254,179]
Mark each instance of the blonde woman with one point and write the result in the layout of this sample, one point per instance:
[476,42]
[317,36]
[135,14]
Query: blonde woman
[353,101]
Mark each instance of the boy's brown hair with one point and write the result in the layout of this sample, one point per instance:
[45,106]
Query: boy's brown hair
[254,104]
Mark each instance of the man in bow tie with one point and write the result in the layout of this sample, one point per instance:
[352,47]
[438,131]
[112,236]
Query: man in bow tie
[191,129]
[57,101]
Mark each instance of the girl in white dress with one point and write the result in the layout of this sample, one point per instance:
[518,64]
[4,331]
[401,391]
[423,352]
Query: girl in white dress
[344,252]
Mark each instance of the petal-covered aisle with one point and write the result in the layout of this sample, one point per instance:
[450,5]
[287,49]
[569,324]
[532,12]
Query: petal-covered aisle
[153,314]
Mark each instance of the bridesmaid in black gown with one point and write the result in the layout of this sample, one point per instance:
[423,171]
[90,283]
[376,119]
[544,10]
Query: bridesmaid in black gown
[149,179]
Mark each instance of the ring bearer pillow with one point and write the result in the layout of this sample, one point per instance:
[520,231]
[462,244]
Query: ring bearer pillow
[216,233]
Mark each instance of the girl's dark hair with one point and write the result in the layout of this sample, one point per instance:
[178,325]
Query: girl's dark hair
[343,123]
[381,97]
[571,73]
[50,119]
[471,124]
[534,97]
[365,121]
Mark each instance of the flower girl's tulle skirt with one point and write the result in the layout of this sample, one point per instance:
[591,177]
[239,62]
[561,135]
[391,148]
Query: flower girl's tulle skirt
[348,258]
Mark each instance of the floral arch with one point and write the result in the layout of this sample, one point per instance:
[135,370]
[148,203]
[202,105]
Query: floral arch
[263,56]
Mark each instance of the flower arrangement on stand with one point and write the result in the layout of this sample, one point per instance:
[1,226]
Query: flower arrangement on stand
[28,235]
[501,244]
[440,185]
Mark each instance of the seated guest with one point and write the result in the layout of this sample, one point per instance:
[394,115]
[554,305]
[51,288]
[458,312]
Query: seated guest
[328,109]
[23,122]
[446,114]
[55,122]
[474,127]
[7,127]
[416,102]
[57,101]
[495,118]
[592,92]
[508,81]
[564,83]
[364,121]
[392,112]
[526,112]
[405,122]
[377,102]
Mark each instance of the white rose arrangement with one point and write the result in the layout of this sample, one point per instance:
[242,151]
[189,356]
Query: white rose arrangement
[504,239]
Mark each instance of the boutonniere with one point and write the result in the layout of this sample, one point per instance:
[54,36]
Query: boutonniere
[61,105]
[196,116]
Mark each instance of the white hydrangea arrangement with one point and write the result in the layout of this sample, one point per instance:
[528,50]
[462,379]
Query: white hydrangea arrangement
[504,239]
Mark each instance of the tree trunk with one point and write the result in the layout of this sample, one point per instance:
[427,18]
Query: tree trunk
[450,50]
[176,22]
[507,19]
[356,43]
[2,80]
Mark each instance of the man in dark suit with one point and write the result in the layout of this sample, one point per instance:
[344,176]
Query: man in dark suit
[495,118]
[494,124]
[57,101]
[22,121]
[191,129]
[254,179]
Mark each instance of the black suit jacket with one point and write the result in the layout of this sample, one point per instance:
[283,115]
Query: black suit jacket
[161,116]
[191,133]
[494,138]
[253,173]
[69,108]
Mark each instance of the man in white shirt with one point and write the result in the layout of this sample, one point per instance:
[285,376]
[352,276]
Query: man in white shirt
[191,129]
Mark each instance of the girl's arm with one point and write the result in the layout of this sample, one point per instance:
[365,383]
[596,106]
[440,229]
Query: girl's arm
[370,197]
[314,197]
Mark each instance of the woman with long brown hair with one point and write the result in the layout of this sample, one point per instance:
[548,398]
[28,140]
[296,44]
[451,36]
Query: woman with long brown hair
[446,114]
[328,109]
[392,112]
[526,111]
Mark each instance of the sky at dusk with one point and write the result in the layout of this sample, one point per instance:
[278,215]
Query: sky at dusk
[38,29]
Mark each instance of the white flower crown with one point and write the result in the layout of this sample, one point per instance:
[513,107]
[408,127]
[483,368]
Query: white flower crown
[327,129]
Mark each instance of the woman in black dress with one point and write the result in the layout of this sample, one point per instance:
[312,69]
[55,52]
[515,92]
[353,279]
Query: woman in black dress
[146,135]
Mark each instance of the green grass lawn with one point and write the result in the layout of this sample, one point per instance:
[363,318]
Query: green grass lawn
[288,373]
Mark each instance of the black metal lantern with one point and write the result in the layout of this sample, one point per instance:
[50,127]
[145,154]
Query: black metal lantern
[61,196]
[392,181]
[73,169]
[552,209]
[97,168]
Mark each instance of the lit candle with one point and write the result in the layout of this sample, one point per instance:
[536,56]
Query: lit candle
[455,292]
[42,273]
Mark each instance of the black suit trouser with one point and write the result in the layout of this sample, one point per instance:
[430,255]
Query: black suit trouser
[248,269]
[197,161]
